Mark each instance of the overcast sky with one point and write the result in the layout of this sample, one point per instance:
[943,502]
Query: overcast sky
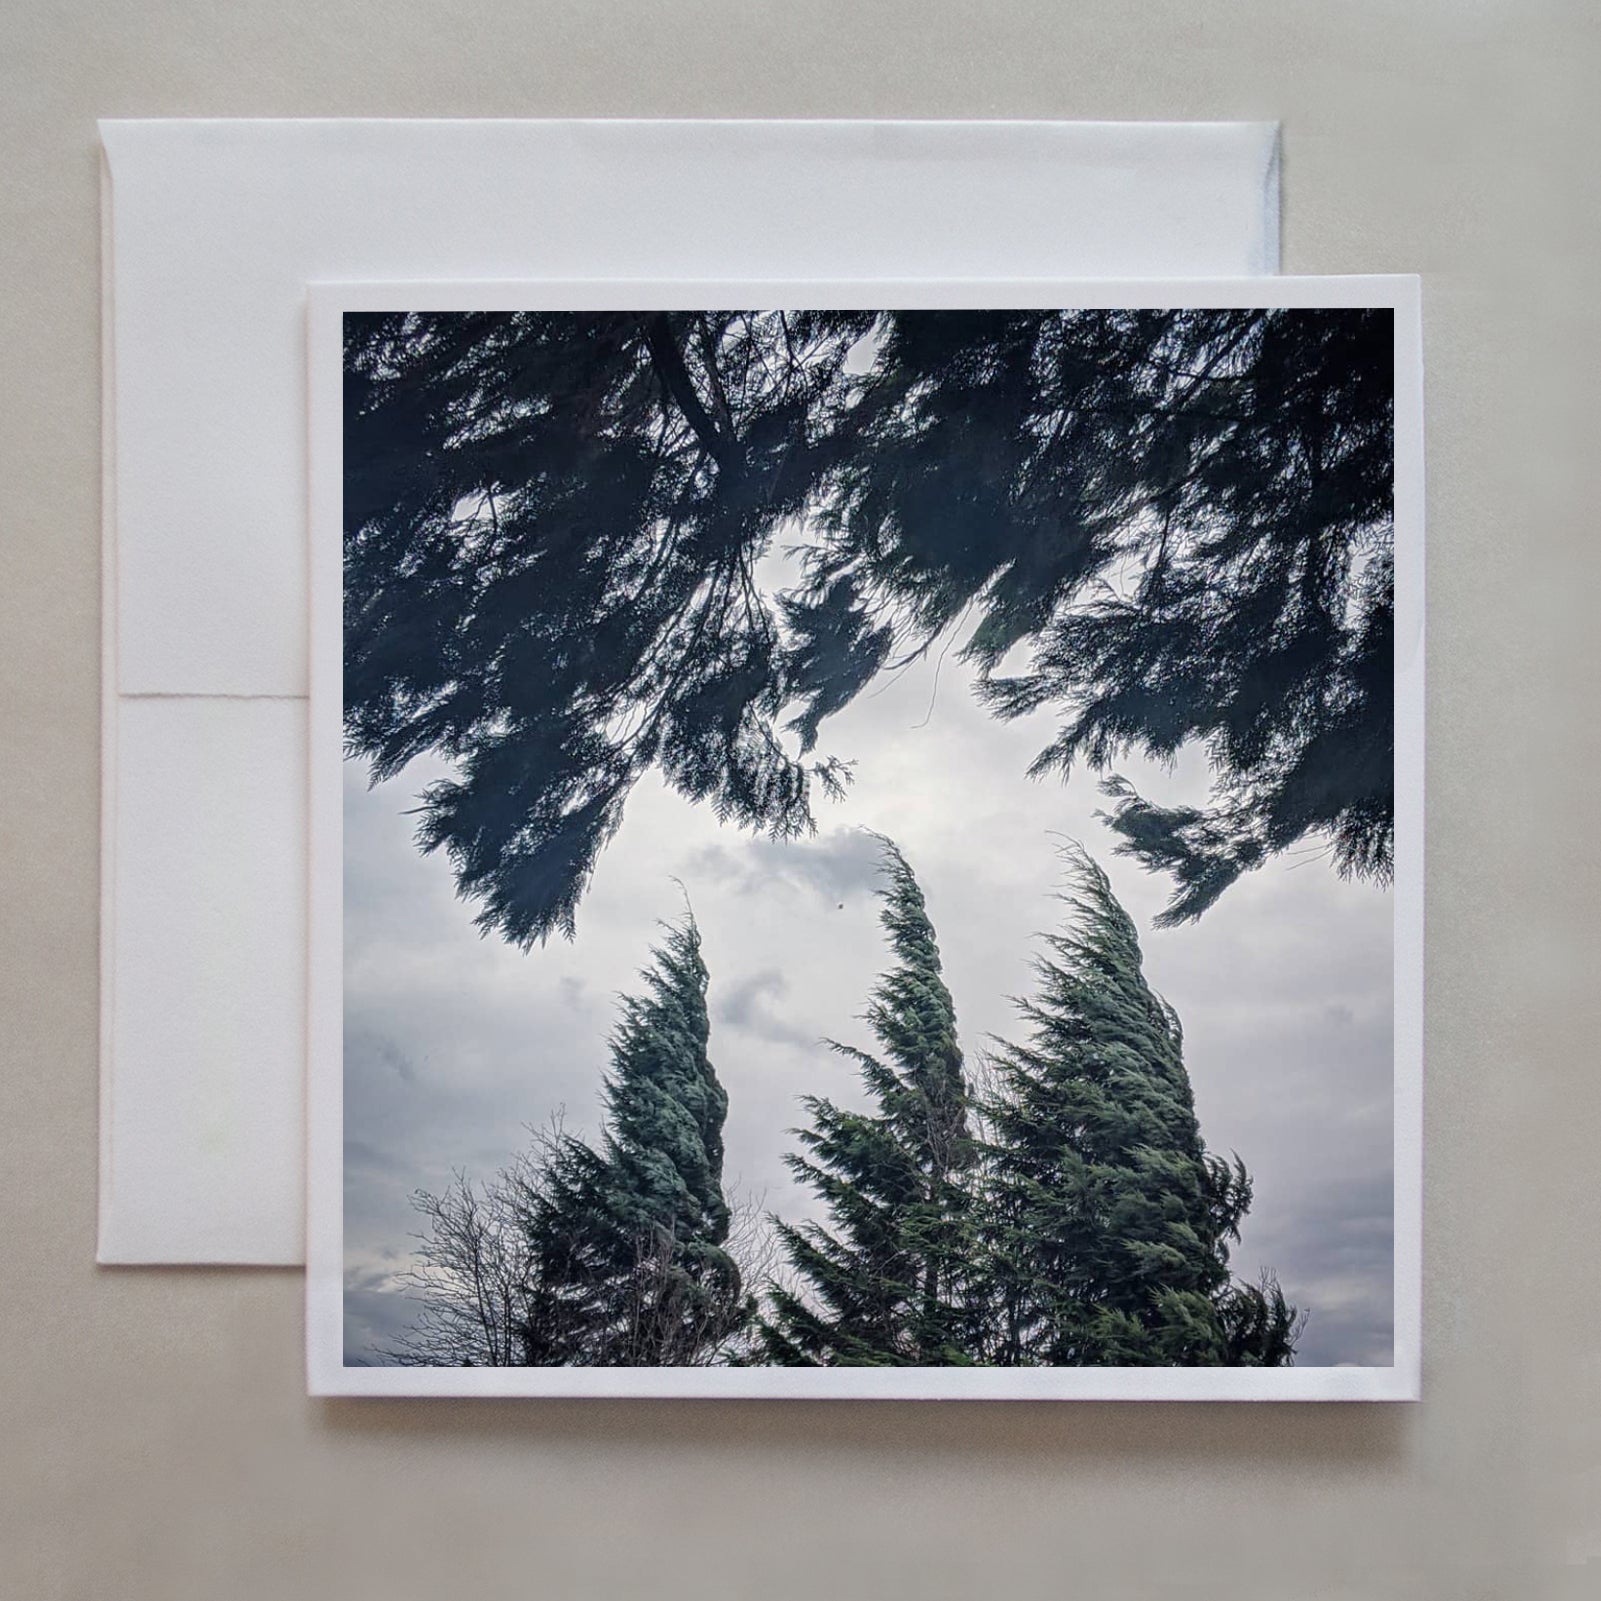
[455,1044]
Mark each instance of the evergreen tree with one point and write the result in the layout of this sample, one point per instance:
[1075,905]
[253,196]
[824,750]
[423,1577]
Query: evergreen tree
[1106,1222]
[886,1282]
[553,521]
[628,1242]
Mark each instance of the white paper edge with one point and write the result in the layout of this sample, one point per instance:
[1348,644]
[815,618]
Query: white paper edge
[326,1373]
[1410,758]
[1273,202]
[108,715]
[1254,127]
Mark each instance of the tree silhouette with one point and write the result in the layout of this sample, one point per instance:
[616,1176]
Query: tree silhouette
[1171,526]
[1184,521]
[551,526]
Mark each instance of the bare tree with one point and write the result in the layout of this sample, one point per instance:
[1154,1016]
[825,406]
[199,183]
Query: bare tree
[472,1275]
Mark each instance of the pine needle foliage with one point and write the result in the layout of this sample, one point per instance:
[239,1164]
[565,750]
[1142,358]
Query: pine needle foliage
[627,1241]
[886,1281]
[1068,1215]
[1106,1223]
[552,522]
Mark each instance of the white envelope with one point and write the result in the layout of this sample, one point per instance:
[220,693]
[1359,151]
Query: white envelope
[211,232]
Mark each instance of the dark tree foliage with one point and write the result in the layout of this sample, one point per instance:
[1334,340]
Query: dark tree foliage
[1180,521]
[1106,1223]
[626,1243]
[551,526]
[886,1282]
[1185,521]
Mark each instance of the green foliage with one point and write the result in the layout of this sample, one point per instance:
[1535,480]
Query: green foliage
[1106,1222]
[885,1283]
[627,1243]
[1070,1217]
[1181,519]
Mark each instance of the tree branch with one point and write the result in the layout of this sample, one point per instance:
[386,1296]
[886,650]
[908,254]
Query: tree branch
[668,360]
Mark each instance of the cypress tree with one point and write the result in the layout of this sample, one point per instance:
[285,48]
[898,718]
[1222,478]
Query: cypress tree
[1107,1224]
[886,1282]
[629,1240]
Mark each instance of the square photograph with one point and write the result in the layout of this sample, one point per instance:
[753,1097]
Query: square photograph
[866,852]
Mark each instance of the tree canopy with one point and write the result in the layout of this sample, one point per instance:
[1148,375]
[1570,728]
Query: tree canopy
[1065,1214]
[1068,1216]
[1168,526]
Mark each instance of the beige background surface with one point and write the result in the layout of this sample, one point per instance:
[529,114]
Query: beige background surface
[155,1441]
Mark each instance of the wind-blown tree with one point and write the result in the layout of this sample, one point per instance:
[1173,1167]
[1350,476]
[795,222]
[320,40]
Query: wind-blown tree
[1106,1223]
[614,1254]
[886,1281]
[1170,526]
[628,1241]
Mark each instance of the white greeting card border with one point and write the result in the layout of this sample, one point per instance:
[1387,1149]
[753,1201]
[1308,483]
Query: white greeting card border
[326,1371]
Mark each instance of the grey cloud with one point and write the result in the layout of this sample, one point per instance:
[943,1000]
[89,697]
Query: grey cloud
[378,1316]
[1330,1247]
[751,1004]
[836,865]
[381,1052]
[364,1158]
